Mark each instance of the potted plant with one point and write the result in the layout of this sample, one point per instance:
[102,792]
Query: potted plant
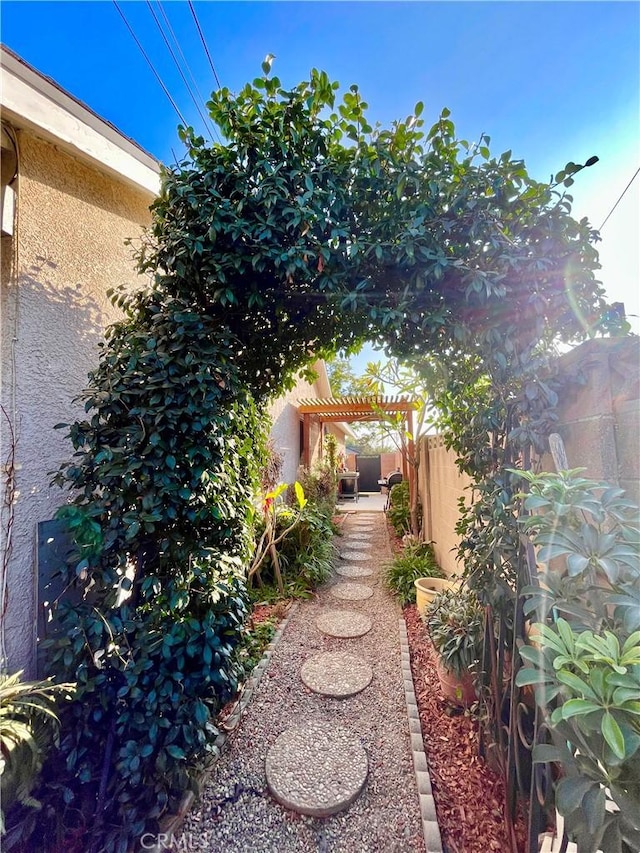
[455,623]
[428,587]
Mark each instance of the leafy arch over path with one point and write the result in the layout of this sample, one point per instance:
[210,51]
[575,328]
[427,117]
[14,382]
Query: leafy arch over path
[308,231]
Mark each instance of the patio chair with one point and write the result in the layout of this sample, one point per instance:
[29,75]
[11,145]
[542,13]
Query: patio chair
[392,480]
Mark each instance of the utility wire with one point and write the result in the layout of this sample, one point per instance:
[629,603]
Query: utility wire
[208,129]
[204,44]
[620,198]
[186,64]
[151,66]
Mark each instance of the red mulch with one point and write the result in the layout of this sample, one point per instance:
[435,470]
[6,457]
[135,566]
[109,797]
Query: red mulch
[262,612]
[469,795]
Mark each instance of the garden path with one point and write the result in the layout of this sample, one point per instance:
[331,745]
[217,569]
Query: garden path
[361,753]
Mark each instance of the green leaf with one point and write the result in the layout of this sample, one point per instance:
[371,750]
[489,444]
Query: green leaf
[547,752]
[267,63]
[613,735]
[570,792]
[175,751]
[576,707]
[593,805]
[575,683]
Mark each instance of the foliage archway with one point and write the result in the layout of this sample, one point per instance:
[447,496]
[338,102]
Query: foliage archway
[307,231]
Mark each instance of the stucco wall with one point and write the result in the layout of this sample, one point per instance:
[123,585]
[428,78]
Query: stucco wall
[73,222]
[599,415]
[285,431]
[440,486]
[390,462]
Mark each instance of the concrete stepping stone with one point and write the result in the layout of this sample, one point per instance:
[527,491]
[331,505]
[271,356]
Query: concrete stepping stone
[316,769]
[351,591]
[356,556]
[354,571]
[344,623]
[357,539]
[336,674]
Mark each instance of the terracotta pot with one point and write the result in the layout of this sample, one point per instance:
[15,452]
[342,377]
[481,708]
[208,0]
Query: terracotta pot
[428,588]
[459,691]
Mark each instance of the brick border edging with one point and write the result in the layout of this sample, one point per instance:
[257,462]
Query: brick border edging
[171,825]
[430,827]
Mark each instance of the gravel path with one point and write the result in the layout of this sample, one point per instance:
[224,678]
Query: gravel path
[236,813]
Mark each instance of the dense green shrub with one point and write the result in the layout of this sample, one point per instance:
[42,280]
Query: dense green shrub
[416,560]
[584,661]
[399,512]
[455,620]
[162,483]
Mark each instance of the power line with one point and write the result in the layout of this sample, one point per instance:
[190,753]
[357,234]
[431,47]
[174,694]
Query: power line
[186,63]
[620,198]
[151,66]
[177,64]
[204,44]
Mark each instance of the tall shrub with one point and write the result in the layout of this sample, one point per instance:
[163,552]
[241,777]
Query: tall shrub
[160,507]
[584,656]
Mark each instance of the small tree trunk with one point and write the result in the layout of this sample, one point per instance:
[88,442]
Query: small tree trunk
[413,506]
[276,567]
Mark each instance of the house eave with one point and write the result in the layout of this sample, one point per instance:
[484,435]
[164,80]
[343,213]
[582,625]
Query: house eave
[31,101]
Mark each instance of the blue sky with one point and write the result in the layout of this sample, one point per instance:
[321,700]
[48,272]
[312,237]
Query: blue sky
[552,81]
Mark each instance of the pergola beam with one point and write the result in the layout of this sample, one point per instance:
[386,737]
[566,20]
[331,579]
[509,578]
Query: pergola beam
[347,416]
[350,409]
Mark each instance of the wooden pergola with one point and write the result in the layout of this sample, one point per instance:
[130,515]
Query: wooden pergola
[350,409]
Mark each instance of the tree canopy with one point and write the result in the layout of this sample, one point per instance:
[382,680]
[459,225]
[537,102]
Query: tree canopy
[310,230]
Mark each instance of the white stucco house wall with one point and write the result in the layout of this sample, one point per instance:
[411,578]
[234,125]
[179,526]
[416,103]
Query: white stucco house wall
[74,189]
[286,431]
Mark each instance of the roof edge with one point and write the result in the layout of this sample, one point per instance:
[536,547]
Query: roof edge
[32,101]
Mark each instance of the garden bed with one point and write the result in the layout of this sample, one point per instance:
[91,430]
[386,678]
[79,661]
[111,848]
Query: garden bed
[469,796]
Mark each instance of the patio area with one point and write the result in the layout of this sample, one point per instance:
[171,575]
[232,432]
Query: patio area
[367,502]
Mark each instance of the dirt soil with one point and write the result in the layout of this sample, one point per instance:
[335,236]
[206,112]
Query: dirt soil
[469,795]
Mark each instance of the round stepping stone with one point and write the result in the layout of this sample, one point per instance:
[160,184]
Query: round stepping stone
[362,528]
[356,556]
[336,674]
[344,623]
[351,591]
[316,769]
[357,537]
[354,571]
